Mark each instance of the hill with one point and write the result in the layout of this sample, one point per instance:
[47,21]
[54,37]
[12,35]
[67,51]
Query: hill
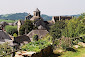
[17,16]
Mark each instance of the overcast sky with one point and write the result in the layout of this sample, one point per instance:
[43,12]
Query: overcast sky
[49,7]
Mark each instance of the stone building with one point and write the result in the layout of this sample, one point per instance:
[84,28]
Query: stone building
[58,18]
[41,32]
[4,37]
[4,23]
[20,22]
[28,17]
[38,20]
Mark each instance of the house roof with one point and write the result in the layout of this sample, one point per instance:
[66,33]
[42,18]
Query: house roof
[40,33]
[41,27]
[4,37]
[4,23]
[34,18]
[21,39]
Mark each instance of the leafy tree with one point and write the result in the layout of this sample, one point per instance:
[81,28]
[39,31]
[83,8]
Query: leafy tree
[11,29]
[27,27]
[74,28]
[57,28]
[56,31]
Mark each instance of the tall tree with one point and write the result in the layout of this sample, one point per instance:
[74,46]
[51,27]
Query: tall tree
[27,27]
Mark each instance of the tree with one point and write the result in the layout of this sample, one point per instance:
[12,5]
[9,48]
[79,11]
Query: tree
[11,29]
[27,27]
[57,28]
[74,28]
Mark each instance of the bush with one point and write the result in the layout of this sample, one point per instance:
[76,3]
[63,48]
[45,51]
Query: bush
[64,43]
[5,48]
[35,46]
[15,35]
[35,37]
[11,29]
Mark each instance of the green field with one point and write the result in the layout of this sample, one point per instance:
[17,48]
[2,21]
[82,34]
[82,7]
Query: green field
[8,21]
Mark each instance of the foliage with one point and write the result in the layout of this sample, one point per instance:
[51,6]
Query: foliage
[35,37]
[26,28]
[46,17]
[5,48]
[11,29]
[17,16]
[36,46]
[8,21]
[79,53]
[64,43]
[56,29]
[74,28]
[15,35]
[48,37]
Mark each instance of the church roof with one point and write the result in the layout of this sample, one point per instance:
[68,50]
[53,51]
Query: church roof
[36,18]
[37,10]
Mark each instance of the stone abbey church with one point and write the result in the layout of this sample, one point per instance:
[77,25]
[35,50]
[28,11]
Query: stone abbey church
[40,23]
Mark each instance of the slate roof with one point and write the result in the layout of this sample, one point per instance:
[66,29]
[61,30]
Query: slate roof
[35,18]
[4,37]
[4,23]
[21,39]
[41,27]
[40,33]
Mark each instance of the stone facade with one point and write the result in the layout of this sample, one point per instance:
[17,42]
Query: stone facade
[20,22]
[58,18]
[28,17]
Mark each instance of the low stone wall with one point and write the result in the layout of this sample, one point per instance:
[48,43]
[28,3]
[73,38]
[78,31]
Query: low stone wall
[44,52]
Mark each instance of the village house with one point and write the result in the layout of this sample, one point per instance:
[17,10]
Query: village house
[4,37]
[38,21]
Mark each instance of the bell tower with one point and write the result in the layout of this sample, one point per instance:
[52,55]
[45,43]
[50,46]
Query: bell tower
[37,12]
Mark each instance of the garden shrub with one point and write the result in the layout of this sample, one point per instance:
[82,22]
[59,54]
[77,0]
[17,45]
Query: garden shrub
[35,37]
[64,42]
[5,48]
[35,46]
[15,35]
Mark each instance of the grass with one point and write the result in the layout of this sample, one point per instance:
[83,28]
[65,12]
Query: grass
[79,53]
[8,21]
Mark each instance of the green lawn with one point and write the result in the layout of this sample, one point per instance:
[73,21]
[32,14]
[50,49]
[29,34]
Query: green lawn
[8,21]
[79,53]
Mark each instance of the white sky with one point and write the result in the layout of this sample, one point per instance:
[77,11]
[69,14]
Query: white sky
[49,7]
